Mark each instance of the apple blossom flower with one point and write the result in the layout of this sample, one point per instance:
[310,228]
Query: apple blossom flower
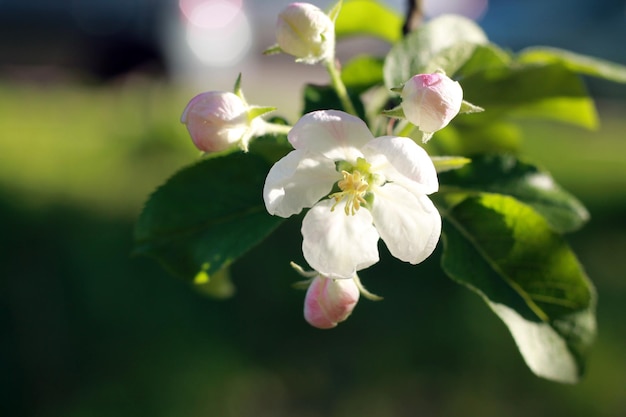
[380,191]
[329,301]
[431,101]
[217,120]
[306,32]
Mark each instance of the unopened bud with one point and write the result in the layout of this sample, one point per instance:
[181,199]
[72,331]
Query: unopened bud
[306,32]
[216,120]
[330,301]
[431,101]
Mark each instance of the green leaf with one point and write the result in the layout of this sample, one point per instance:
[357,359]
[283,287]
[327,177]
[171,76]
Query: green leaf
[470,139]
[581,64]
[322,97]
[368,17]
[484,57]
[206,216]
[362,73]
[548,91]
[504,174]
[413,55]
[527,274]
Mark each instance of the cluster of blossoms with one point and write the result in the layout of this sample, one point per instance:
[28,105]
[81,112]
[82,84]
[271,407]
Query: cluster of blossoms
[357,188]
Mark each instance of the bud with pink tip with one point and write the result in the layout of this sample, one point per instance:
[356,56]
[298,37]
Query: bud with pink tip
[216,120]
[330,301]
[306,32]
[431,101]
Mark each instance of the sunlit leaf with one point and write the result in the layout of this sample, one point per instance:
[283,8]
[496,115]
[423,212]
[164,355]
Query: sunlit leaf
[470,139]
[357,16]
[526,273]
[414,53]
[548,91]
[484,57]
[582,64]
[362,72]
[504,174]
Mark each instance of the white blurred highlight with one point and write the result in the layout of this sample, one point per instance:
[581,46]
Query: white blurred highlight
[217,31]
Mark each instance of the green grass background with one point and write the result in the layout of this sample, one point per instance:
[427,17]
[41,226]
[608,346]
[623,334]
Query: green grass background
[88,330]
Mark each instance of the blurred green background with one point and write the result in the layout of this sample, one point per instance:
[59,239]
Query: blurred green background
[88,330]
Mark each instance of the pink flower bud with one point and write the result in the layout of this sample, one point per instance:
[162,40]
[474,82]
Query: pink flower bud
[306,32]
[430,101]
[216,120]
[330,301]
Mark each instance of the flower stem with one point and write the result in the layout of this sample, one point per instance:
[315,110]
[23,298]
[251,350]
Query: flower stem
[340,88]
[276,129]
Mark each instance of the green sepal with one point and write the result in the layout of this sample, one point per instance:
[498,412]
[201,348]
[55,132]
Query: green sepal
[256,111]
[467,107]
[449,163]
[397,112]
[237,87]
[333,13]
[273,50]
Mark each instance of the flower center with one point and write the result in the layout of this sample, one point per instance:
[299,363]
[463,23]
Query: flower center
[353,187]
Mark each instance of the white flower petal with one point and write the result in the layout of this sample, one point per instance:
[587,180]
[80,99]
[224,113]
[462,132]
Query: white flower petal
[334,134]
[297,181]
[406,163]
[409,224]
[337,245]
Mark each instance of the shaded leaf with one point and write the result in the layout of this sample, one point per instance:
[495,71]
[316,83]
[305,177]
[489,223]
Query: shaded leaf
[504,174]
[322,97]
[206,216]
[527,274]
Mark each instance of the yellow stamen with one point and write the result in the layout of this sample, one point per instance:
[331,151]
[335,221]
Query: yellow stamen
[353,187]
